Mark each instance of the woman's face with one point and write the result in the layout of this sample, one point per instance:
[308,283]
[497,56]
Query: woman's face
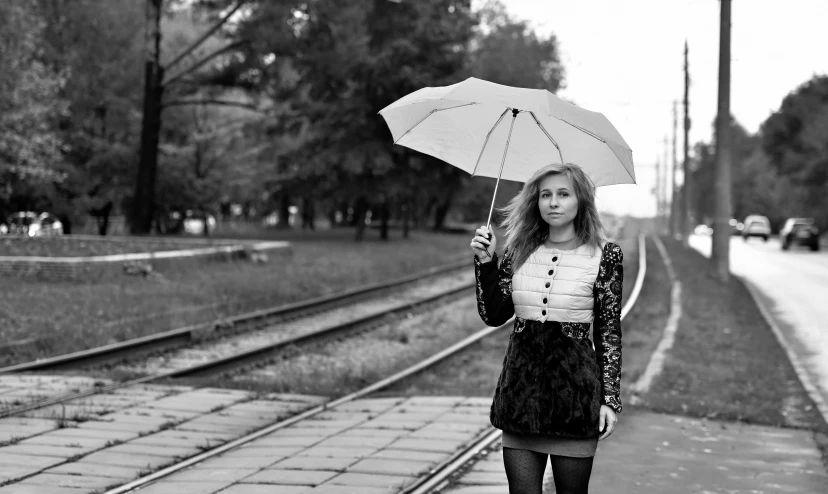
[557,202]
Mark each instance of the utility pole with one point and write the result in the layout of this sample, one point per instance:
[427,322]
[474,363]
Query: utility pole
[673,182]
[664,201]
[721,222]
[686,188]
[657,190]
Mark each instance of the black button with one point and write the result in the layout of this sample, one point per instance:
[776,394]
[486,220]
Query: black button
[543,312]
[544,300]
[547,284]
[555,259]
[551,271]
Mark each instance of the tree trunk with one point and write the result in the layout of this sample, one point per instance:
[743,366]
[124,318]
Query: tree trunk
[284,211]
[308,213]
[385,213]
[143,204]
[406,216]
[360,209]
[441,211]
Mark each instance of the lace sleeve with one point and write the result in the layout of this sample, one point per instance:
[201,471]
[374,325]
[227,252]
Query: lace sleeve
[494,290]
[607,326]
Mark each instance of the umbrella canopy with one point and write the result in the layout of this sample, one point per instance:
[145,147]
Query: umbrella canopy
[492,130]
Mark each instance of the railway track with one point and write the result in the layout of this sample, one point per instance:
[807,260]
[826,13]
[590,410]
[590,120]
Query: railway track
[440,475]
[247,338]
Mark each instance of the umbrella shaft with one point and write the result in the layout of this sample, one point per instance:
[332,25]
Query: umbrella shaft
[502,162]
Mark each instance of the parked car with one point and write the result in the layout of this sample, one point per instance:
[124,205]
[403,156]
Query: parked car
[800,231]
[703,230]
[756,225]
[736,226]
[34,225]
[192,222]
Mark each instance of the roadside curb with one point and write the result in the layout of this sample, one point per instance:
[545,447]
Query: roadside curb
[801,373]
[656,362]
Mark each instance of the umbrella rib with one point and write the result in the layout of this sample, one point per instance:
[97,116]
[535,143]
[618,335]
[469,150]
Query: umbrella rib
[487,140]
[428,115]
[584,130]
[543,129]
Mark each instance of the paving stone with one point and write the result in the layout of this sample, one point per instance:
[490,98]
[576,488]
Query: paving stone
[83,467]
[380,466]
[68,442]
[290,477]
[350,442]
[135,428]
[367,480]
[217,474]
[73,481]
[38,489]
[253,451]
[484,478]
[183,488]
[297,398]
[469,428]
[440,435]
[151,450]
[426,445]
[95,434]
[268,489]
[243,462]
[354,452]
[33,462]
[476,401]
[348,489]
[464,418]
[478,489]
[337,425]
[164,415]
[360,433]
[315,463]
[128,459]
[435,400]
[195,437]
[47,450]
[12,472]
[283,441]
[392,425]
[370,405]
[402,454]
[302,431]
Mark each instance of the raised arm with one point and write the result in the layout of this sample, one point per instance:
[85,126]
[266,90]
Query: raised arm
[607,326]
[494,290]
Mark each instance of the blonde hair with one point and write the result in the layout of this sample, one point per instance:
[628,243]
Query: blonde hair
[526,229]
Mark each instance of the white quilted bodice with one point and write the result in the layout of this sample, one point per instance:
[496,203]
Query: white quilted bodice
[556,285]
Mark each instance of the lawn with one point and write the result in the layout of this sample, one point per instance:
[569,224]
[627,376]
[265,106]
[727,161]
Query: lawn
[64,317]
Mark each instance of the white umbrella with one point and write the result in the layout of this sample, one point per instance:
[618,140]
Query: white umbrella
[492,130]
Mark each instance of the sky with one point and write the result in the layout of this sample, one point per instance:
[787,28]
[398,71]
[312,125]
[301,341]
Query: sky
[624,58]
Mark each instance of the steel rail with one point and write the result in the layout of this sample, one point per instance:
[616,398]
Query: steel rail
[189,333]
[238,359]
[436,477]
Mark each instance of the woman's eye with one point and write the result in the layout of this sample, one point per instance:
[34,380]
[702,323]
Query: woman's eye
[544,195]
[564,194]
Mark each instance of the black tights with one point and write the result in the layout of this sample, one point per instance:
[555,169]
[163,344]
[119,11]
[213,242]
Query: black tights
[524,469]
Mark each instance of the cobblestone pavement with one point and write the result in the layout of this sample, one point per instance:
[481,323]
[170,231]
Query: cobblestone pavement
[653,453]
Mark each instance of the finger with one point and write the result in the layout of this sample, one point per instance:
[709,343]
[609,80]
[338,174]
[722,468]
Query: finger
[602,422]
[610,429]
[482,240]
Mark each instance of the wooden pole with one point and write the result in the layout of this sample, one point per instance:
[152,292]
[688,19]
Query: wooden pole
[721,222]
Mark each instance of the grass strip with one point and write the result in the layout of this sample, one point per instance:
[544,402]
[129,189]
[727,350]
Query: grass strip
[726,363]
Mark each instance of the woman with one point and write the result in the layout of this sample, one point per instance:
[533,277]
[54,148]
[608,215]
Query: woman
[556,395]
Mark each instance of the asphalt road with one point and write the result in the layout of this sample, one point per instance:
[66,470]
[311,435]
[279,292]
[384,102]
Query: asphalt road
[794,286]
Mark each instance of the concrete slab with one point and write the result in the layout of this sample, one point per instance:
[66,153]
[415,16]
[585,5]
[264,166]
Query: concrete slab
[290,477]
[367,480]
[218,474]
[73,481]
[268,489]
[48,450]
[85,468]
[348,489]
[315,463]
[40,489]
[385,466]
[427,445]
[183,488]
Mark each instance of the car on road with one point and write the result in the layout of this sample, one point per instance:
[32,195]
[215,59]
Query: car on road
[31,224]
[756,225]
[799,231]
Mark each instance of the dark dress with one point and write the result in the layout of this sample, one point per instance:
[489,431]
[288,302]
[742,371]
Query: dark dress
[553,382]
